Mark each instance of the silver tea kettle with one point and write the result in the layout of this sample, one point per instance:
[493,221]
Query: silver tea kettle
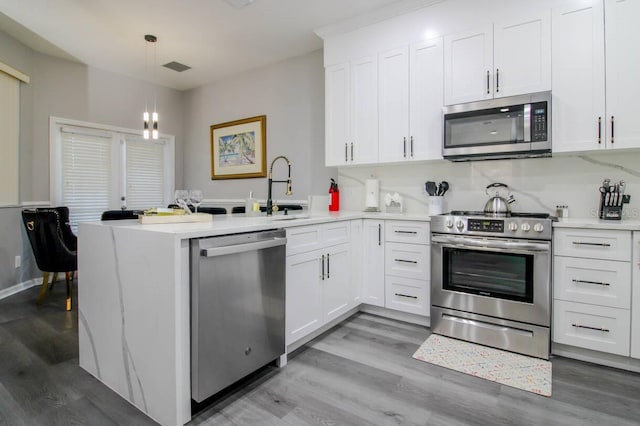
[498,205]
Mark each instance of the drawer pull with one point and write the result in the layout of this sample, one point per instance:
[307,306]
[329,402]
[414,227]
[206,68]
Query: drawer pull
[406,261]
[405,232]
[590,282]
[406,295]
[606,330]
[579,243]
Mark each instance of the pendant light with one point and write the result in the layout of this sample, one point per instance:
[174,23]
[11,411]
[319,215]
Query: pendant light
[154,116]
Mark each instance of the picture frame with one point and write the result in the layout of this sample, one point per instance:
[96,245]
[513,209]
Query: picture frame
[239,149]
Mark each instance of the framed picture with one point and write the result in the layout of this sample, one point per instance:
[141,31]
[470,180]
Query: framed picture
[239,149]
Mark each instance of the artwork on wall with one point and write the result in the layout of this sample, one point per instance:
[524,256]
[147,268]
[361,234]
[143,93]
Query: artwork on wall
[239,149]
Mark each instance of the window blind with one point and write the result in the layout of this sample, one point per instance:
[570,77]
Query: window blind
[86,175]
[145,173]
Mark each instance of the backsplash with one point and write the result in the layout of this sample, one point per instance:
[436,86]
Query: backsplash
[537,184]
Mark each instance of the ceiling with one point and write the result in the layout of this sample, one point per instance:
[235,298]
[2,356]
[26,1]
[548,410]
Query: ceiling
[215,39]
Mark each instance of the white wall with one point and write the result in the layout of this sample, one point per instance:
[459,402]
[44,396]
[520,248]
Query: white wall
[291,95]
[538,184]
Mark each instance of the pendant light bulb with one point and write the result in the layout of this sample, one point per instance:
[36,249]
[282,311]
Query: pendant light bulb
[145,121]
[154,119]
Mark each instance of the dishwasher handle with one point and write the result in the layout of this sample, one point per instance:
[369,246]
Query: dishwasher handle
[239,248]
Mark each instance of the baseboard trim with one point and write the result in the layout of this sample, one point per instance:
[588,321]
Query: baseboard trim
[596,357]
[396,315]
[10,291]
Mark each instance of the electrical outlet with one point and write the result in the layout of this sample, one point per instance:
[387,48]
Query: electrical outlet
[18,261]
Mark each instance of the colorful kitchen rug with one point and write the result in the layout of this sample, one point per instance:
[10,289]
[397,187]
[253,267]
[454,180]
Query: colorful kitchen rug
[507,368]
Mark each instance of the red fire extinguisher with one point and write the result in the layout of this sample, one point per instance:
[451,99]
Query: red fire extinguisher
[334,197]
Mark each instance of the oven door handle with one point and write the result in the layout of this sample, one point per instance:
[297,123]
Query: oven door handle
[494,245]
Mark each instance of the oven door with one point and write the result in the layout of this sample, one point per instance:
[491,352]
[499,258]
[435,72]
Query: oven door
[501,278]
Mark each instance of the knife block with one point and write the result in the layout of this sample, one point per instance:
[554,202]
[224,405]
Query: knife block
[611,212]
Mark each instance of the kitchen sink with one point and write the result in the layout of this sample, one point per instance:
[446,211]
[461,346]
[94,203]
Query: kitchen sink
[290,216]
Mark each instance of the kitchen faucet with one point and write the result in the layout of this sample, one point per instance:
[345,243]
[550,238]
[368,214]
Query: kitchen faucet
[271,181]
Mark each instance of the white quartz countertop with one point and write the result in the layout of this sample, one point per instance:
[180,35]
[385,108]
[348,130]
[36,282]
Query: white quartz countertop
[230,224]
[593,223]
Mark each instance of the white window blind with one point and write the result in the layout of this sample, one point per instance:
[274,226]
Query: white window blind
[9,134]
[86,174]
[145,170]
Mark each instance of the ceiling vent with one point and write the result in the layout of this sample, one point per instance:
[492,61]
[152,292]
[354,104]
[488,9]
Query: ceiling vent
[239,4]
[177,66]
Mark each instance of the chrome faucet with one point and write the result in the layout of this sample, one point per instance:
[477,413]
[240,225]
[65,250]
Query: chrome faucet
[271,181]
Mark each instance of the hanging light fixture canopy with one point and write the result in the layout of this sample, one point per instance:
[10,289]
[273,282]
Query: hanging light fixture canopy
[154,116]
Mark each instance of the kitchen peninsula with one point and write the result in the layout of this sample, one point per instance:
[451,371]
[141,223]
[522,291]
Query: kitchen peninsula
[134,304]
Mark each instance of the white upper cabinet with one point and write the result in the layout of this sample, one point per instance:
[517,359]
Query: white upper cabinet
[623,68]
[594,90]
[504,59]
[351,112]
[578,105]
[410,102]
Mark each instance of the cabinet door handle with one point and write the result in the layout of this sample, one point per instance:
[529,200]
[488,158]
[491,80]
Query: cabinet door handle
[488,87]
[379,234]
[497,80]
[612,128]
[591,282]
[351,151]
[405,232]
[411,145]
[406,295]
[404,142]
[322,262]
[328,263]
[606,330]
[406,261]
[346,149]
[599,130]
[579,243]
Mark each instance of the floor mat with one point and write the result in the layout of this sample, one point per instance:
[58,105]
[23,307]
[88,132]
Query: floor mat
[507,368]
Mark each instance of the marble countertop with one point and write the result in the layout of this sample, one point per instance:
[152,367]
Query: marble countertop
[594,223]
[229,224]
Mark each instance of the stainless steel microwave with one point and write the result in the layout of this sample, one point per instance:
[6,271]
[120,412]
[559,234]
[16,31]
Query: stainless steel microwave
[511,127]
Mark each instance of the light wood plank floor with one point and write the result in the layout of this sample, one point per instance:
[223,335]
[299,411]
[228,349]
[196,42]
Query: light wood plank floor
[359,373]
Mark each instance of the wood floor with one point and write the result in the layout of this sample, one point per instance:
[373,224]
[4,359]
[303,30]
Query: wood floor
[359,373]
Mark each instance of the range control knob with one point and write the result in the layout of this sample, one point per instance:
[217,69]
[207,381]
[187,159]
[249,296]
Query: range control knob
[460,225]
[513,226]
[449,223]
[538,227]
[525,227]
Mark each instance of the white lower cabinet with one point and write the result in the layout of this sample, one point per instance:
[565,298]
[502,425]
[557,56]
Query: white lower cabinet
[318,277]
[592,289]
[635,294]
[373,262]
[407,294]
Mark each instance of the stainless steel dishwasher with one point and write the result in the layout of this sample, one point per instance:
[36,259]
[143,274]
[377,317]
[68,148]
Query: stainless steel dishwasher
[237,307]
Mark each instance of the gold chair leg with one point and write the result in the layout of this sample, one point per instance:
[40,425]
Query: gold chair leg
[53,280]
[43,288]
[69,278]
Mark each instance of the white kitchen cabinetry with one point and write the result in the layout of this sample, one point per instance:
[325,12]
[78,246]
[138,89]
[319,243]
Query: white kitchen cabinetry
[373,262]
[410,102]
[507,58]
[318,277]
[351,112]
[592,289]
[595,91]
[356,285]
[407,266]
[635,294]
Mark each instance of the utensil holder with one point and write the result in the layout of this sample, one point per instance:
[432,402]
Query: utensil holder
[612,212]
[435,205]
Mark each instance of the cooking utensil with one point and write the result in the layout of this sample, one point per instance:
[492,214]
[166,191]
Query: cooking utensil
[498,205]
[443,188]
[431,188]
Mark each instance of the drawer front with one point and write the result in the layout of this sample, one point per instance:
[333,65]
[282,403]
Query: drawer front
[407,295]
[599,282]
[301,239]
[592,327]
[407,260]
[406,232]
[593,243]
[336,233]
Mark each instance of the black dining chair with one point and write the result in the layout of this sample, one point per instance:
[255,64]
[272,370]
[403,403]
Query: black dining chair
[54,246]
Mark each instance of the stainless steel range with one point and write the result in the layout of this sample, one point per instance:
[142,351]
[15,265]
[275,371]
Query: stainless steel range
[491,279]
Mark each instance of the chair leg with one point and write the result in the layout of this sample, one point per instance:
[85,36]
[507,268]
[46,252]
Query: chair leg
[43,288]
[69,278]
[53,280]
